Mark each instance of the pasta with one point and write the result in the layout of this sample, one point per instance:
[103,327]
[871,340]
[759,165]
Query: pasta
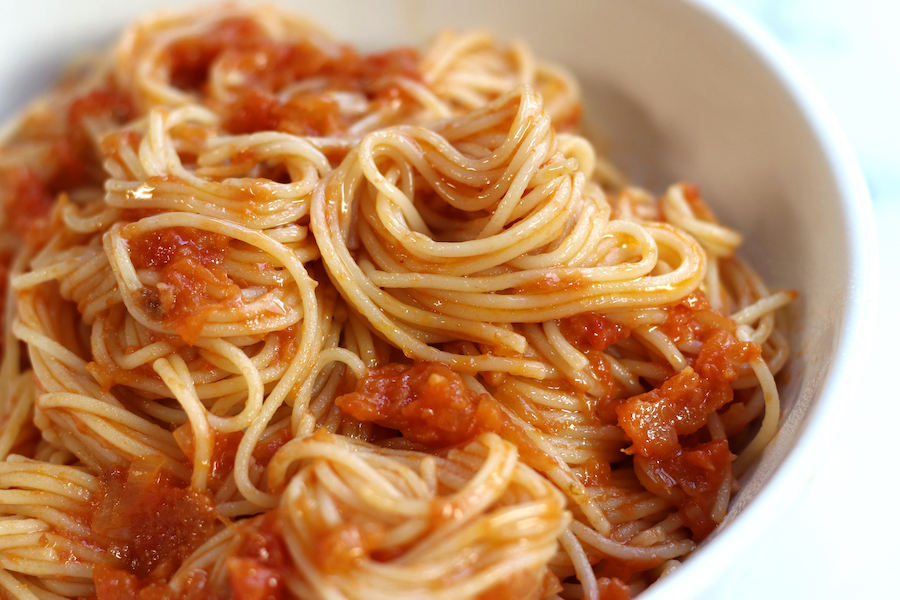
[286,320]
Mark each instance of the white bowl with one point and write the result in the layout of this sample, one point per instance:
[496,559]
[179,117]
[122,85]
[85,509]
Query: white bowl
[683,90]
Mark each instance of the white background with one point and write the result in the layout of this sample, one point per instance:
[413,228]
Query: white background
[840,538]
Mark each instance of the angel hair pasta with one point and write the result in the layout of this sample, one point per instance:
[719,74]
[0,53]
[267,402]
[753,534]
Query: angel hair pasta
[286,320]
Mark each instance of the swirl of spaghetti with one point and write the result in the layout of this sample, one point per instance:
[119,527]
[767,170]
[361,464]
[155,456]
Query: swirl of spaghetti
[415,286]
[476,518]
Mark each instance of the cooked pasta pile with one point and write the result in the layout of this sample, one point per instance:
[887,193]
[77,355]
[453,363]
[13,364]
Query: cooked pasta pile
[282,319]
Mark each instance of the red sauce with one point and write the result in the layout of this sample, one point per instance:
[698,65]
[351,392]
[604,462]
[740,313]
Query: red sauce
[162,247]
[427,402]
[28,210]
[338,550]
[75,157]
[523,584]
[107,103]
[592,333]
[665,423]
[193,282]
[268,66]
[722,355]
[695,201]
[430,404]
[116,584]
[113,144]
[593,329]
[604,407]
[595,472]
[151,522]
[612,569]
[680,406]
[261,565]
[5,261]
[72,162]
[102,375]
[693,319]
[268,446]
[190,58]
[655,419]
[490,417]
[304,115]
[698,473]
[251,580]
[613,588]
[225,447]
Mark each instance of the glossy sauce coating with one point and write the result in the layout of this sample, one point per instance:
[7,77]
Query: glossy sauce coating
[192,281]
[150,524]
[268,66]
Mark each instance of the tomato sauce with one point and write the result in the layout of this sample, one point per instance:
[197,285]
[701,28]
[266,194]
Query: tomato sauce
[680,406]
[268,446]
[190,58]
[664,424]
[338,550]
[113,143]
[427,402]
[592,334]
[595,472]
[617,572]
[260,567]
[692,195]
[193,282]
[593,329]
[115,584]
[29,204]
[694,319]
[604,406]
[107,103]
[32,191]
[655,419]
[430,404]
[523,584]
[151,523]
[225,447]
[267,66]
[613,588]
[698,473]
[75,158]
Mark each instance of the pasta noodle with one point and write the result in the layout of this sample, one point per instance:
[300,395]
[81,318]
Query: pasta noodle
[286,320]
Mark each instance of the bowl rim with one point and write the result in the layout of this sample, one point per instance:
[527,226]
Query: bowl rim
[857,214]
